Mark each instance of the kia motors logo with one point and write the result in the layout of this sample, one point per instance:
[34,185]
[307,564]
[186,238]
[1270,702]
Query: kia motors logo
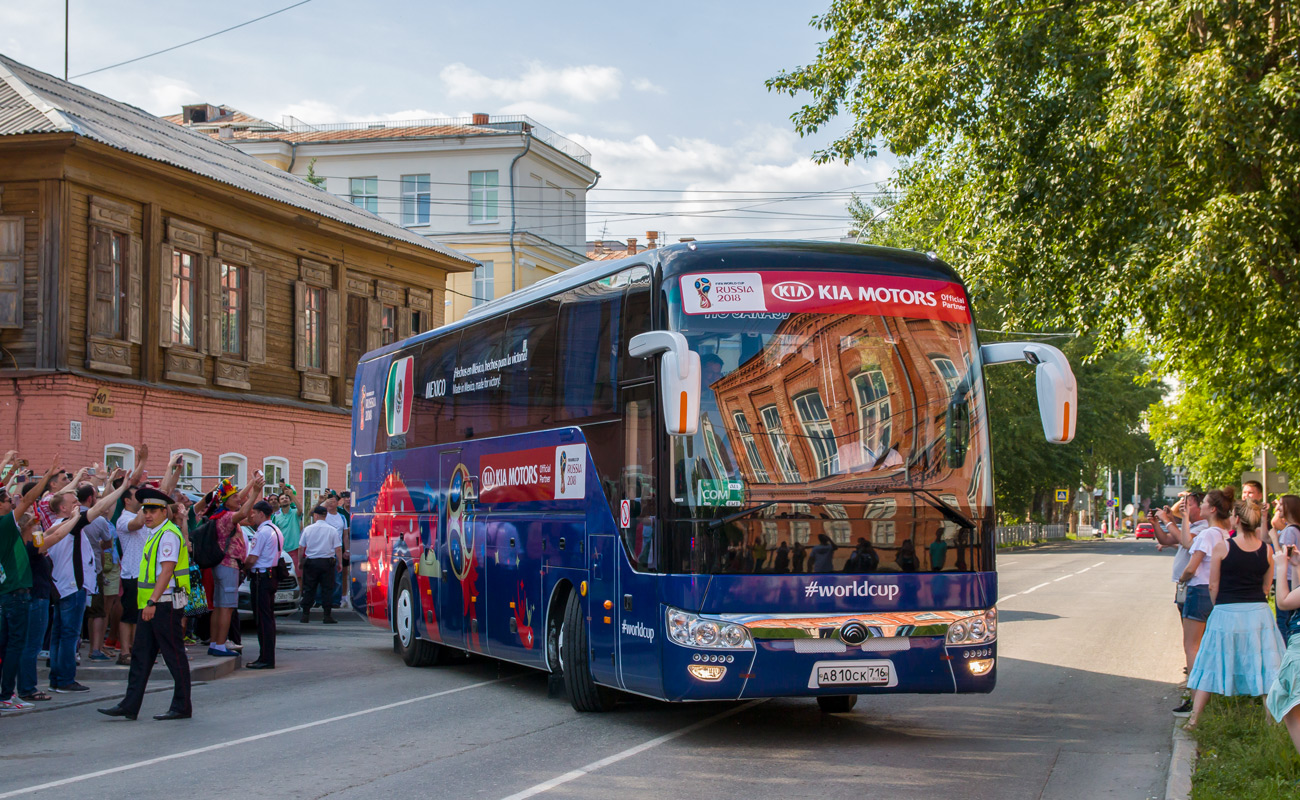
[792,290]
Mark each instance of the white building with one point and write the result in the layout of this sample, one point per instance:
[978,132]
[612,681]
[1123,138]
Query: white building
[504,190]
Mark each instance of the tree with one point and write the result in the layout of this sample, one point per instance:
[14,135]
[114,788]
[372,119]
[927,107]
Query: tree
[1126,169]
[312,177]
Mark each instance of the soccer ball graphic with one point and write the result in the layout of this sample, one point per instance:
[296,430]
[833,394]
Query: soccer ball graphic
[460,534]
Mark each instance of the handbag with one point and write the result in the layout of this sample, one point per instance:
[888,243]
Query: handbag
[279,572]
[198,600]
[1180,593]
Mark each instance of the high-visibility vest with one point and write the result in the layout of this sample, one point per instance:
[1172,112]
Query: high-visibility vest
[149,565]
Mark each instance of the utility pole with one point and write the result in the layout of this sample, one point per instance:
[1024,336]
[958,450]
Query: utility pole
[65,39]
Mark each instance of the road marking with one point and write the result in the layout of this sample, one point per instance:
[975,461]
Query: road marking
[1063,577]
[1035,588]
[222,745]
[1098,564]
[546,786]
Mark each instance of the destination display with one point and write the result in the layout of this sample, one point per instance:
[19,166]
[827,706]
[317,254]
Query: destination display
[823,292]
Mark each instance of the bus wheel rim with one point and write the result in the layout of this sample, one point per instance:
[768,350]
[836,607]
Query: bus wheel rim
[404,618]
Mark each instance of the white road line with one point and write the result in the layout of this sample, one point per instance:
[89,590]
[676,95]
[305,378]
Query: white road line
[1085,569]
[1063,577]
[546,786]
[1098,564]
[1035,588]
[1007,597]
[222,745]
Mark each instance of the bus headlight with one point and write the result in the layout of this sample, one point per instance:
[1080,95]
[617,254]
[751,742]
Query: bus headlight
[974,630]
[692,630]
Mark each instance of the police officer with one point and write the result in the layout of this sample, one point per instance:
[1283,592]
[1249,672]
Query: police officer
[162,590]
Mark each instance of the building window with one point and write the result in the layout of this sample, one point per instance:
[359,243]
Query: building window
[874,417]
[751,449]
[355,337]
[235,467]
[234,308]
[417,322]
[388,325]
[314,326]
[276,473]
[109,275]
[780,445]
[119,456]
[191,468]
[364,192]
[314,475]
[711,444]
[415,199]
[817,427]
[948,371]
[484,283]
[483,196]
[184,297]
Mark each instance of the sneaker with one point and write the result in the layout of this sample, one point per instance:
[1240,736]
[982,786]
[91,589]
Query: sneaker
[212,651]
[45,654]
[71,688]
[112,644]
[236,647]
[1185,708]
[191,640]
[14,704]
[99,655]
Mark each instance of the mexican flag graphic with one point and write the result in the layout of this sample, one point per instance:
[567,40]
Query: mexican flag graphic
[397,400]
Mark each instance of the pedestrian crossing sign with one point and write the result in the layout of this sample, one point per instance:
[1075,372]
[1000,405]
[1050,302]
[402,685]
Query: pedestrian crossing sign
[1062,495]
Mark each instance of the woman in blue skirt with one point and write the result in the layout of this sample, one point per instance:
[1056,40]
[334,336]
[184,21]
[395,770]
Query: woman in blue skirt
[1284,698]
[1242,649]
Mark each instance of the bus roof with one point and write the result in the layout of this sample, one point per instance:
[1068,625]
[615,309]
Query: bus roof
[678,256]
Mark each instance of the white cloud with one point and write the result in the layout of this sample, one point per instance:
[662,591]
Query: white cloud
[646,85]
[543,112]
[587,84]
[319,112]
[157,94]
[753,187]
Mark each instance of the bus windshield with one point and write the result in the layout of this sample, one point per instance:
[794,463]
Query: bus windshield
[841,426]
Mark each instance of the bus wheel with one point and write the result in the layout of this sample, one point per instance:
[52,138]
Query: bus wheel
[415,652]
[584,693]
[837,703]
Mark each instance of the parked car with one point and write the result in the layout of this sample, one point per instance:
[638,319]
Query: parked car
[1145,530]
[288,595]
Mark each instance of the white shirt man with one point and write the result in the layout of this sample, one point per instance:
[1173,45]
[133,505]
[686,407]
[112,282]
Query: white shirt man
[323,541]
[132,543]
[322,547]
[63,572]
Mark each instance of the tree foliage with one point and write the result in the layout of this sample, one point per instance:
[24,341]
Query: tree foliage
[1130,169]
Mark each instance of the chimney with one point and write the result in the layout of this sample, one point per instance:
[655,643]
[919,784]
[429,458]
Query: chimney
[225,132]
[631,245]
[480,119]
[651,240]
[598,245]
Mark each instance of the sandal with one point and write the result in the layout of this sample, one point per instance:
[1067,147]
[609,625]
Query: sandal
[37,696]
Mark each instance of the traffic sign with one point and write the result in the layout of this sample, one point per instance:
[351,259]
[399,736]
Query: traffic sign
[1062,495]
[1110,503]
[625,514]
[1278,482]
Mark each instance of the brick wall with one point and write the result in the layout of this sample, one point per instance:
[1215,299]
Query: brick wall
[35,413]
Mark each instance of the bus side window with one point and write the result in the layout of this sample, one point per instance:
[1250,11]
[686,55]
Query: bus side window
[477,380]
[530,383]
[589,327]
[636,319]
[637,483]
[432,412]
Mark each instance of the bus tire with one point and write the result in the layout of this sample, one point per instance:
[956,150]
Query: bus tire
[584,693]
[837,703]
[415,651]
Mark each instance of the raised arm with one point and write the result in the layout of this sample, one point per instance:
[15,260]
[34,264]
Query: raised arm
[9,460]
[141,456]
[256,492]
[55,534]
[108,502]
[173,476]
[30,498]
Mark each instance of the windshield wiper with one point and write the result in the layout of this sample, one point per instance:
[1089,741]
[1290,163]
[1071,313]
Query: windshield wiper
[718,523]
[937,503]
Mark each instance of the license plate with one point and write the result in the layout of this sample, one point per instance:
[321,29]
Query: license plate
[852,673]
[284,597]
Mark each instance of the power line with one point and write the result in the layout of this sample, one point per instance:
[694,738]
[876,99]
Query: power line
[192,41]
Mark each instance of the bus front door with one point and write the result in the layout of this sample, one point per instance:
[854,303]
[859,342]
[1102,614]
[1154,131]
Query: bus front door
[601,600]
[454,548]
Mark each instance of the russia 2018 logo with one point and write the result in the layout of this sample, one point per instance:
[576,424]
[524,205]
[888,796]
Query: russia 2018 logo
[459,534]
[564,462]
[702,286]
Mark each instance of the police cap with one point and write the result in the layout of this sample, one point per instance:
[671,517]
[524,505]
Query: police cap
[150,497]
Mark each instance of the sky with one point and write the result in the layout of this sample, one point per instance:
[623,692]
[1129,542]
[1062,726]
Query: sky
[667,97]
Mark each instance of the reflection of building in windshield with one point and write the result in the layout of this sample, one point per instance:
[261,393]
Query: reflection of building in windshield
[836,403]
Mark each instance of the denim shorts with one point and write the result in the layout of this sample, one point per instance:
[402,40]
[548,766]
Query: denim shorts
[225,587]
[1198,604]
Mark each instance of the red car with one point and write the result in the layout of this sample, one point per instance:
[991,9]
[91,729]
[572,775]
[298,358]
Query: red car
[1145,530]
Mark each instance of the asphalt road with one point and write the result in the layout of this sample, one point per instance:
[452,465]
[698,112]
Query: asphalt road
[1089,658]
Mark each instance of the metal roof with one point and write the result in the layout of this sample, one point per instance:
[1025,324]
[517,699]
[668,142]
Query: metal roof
[35,102]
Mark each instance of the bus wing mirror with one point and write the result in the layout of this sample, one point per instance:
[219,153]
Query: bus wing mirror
[1058,394]
[679,373]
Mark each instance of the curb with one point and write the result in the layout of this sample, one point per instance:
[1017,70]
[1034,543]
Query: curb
[1181,764]
[203,667]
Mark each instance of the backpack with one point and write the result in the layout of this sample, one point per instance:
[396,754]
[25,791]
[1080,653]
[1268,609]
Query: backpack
[205,548]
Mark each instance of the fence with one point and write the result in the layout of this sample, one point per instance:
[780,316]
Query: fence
[1029,533]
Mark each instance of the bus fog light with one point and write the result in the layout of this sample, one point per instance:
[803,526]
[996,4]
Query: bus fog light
[980,666]
[706,672]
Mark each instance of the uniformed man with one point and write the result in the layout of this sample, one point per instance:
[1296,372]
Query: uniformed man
[162,590]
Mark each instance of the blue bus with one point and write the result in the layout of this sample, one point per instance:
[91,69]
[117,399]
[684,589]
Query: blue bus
[708,471]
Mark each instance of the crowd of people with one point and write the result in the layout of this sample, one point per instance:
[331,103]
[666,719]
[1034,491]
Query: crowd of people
[138,567]
[1230,553]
